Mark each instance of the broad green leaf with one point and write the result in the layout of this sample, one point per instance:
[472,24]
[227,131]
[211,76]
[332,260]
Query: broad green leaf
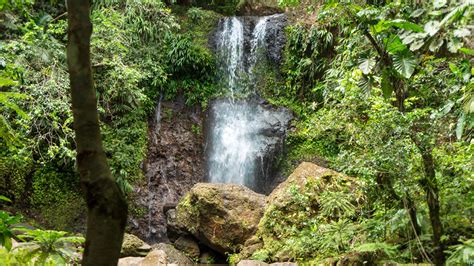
[466,51]
[403,24]
[461,33]
[436,44]
[417,13]
[439,3]
[404,63]
[366,65]
[460,126]
[416,45]
[432,27]
[6,82]
[5,199]
[454,68]
[446,109]
[394,44]
[409,38]
[454,45]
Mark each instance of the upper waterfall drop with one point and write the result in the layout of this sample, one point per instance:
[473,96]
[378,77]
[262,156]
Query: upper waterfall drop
[243,134]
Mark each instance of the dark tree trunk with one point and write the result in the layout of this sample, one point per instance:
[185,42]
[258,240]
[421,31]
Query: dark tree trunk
[384,182]
[107,209]
[430,185]
[432,198]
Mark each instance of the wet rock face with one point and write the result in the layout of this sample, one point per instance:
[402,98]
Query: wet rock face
[174,164]
[275,38]
[257,130]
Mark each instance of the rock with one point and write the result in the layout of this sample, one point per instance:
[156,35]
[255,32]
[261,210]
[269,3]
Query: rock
[251,263]
[207,258]
[222,216]
[133,246]
[156,257]
[284,264]
[130,261]
[188,246]
[173,256]
[172,228]
[174,163]
[307,173]
[285,210]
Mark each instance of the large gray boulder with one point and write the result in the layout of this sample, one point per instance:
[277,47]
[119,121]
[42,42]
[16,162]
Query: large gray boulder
[222,216]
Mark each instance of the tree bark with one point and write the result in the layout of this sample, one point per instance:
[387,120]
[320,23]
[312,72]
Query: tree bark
[432,198]
[107,209]
[430,185]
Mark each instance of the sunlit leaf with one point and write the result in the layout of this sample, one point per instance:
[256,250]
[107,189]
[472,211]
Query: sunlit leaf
[446,109]
[366,65]
[404,63]
[403,24]
[466,51]
[461,33]
[454,45]
[439,3]
[460,126]
[432,27]
[416,45]
[417,13]
[436,44]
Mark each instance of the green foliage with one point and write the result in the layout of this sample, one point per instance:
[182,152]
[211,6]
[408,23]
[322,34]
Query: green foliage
[192,69]
[307,226]
[134,44]
[380,249]
[7,225]
[47,247]
[226,7]
[392,82]
[462,253]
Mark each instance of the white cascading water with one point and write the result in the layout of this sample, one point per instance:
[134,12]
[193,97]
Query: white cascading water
[231,47]
[237,135]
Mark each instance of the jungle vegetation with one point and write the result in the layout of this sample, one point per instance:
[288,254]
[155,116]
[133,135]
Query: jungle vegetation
[382,90]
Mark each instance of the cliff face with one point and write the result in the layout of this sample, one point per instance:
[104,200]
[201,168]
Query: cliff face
[174,163]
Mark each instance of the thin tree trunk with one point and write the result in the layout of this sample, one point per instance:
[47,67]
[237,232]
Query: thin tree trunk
[432,198]
[430,185]
[107,209]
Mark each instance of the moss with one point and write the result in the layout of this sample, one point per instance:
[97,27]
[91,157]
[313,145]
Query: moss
[68,215]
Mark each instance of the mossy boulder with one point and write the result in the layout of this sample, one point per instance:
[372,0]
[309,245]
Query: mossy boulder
[133,246]
[222,216]
[309,199]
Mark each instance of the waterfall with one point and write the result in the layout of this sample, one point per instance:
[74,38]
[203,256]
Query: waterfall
[242,132]
[231,46]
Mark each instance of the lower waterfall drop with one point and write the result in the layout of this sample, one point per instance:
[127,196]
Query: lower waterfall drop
[244,135]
